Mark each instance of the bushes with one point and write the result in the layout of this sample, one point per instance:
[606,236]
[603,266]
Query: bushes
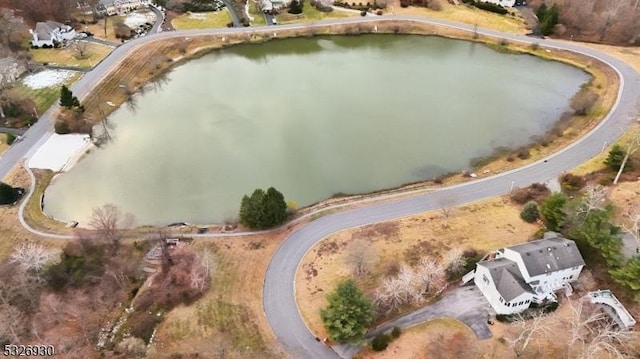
[571,182]
[81,263]
[9,194]
[10,138]
[535,192]
[296,7]
[548,18]
[487,6]
[615,157]
[530,212]
[380,342]
[62,127]
[395,332]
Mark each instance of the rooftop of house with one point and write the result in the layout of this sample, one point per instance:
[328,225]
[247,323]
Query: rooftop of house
[507,278]
[549,255]
[44,29]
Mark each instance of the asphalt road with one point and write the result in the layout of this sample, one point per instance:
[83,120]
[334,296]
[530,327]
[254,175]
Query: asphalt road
[278,296]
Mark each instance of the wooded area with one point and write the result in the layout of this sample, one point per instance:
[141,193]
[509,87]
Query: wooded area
[603,21]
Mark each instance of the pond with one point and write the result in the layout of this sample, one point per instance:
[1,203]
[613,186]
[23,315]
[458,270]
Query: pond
[312,117]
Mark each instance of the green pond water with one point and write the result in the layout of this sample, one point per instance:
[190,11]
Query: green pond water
[311,117]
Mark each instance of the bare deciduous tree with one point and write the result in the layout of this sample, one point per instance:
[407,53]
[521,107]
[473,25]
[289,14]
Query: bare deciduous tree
[360,257]
[12,323]
[454,260]
[201,270]
[429,274]
[110,223]
[80,48]
[594,197]
[446,204]
[593,333]
[527,331]
[32,257]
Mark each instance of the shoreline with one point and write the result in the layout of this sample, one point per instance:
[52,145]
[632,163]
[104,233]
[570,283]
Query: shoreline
[391,27]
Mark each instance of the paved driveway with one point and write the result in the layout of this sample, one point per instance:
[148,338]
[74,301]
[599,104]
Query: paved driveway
[466,304]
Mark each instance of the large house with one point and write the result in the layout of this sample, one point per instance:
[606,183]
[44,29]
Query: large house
[268,6]
[50,32]
[514,277]
[120,7]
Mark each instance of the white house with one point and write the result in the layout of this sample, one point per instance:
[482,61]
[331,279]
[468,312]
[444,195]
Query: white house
[268,6]
[504,3]
[46,33]
[120,7]
[513,277]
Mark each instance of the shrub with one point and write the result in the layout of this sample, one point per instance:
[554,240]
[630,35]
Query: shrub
[505,318]
[142,325]
[549,308]
[395,332]
[615,157]
[295,7]
[380,342]
[10,138]
[62,127]
[536,192]
[363,13]
[530,212]
[523,153]
[379,12]
[404,3]
[571,182]
[8,194]
[490,7]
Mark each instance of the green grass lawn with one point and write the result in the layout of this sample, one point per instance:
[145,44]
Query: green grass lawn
[256,14]
[43,98]
[310,13]
[206,20]
[94,53]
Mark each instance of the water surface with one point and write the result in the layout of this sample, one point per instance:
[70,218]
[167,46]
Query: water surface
[312,117]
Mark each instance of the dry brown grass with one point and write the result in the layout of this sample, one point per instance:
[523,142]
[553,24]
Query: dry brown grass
[68,56]
[98,28]
[229,317]
[11,231]
[415,342]
[484,225]
[465,14]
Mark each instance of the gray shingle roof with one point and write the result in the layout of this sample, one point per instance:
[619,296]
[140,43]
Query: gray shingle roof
[507,278]
[44,31]
[549,255]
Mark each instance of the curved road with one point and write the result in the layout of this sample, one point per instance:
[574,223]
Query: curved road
[279,291]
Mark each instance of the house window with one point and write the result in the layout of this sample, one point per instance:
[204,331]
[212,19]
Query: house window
[501,300]
[571,276]
[485,279]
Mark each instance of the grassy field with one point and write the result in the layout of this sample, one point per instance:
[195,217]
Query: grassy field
[32,211]
[256,14]
[310,13]
[44,97]
[3,143]
[11,231]
[465,14]
[228,321]
[214,19]
[483,226]
[98,29]
[423,338]
[68,57]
